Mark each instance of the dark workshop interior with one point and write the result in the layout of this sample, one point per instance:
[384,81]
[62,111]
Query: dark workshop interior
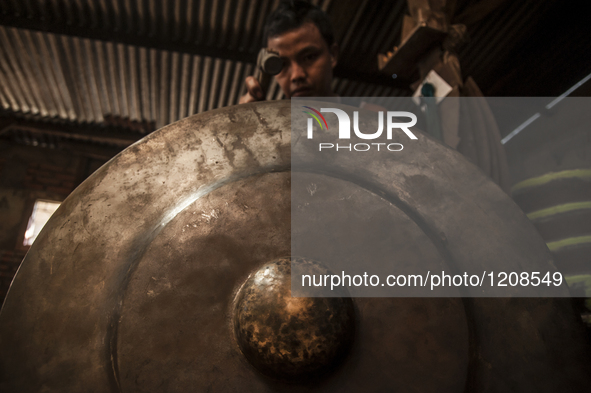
[82,80]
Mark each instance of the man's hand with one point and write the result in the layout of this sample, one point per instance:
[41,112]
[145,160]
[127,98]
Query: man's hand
[254,91]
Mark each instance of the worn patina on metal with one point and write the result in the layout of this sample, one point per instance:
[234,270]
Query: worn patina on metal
[295,339]
[131,284]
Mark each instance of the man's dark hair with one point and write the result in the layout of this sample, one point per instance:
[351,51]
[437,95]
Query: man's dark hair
[292,14]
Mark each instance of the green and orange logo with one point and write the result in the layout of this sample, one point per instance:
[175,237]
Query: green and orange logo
[316,117]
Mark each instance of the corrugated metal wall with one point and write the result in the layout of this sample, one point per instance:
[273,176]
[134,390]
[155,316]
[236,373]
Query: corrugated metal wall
[85,80]
[152,61]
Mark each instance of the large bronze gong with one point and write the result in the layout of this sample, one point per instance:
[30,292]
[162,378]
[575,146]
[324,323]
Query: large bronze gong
[154,276]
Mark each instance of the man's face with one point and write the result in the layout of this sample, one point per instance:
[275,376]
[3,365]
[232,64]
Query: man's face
[307,62]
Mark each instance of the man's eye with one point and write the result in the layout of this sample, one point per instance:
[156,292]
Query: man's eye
[311,57]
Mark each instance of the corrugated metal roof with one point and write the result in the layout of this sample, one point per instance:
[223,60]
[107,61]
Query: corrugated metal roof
[154,62]
[87,80]
[84,80]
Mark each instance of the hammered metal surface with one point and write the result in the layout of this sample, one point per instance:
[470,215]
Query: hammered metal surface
[176,328]
[291,338]
[115,297]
